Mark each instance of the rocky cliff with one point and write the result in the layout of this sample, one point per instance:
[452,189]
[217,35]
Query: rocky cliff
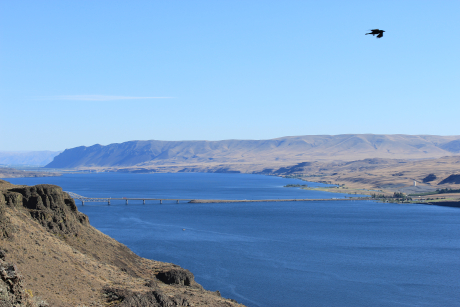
[51,255]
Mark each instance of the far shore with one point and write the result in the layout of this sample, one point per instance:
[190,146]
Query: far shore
[450,200]
[7,172]
[211,201]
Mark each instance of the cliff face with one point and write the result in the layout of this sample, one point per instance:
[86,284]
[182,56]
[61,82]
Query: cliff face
[66,262]
[47,204]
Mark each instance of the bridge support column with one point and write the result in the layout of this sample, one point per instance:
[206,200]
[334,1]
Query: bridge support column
[82,203]
[143,201]
[126,201]
[177,202]
[108,202]
[161,201]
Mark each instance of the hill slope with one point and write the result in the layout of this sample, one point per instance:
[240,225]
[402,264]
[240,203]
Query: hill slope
[287,149]
[387,174]
[67,262]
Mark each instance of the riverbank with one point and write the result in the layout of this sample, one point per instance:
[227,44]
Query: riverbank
[346,190]
[366,176]
[453,204]
[392,175]
[216,201]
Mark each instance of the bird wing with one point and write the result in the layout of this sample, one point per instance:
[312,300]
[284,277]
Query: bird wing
[380,35]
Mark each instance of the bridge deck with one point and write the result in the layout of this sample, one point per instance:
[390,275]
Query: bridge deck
[84,199]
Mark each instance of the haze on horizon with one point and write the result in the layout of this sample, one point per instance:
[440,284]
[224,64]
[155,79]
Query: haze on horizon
[76,73]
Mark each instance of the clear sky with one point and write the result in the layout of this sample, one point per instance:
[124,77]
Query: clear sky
[81,72]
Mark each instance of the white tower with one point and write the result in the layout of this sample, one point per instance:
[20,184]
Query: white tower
[415,183]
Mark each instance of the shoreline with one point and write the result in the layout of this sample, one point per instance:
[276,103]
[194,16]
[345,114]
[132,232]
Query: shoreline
[338,187]
[451,204]
[8,172]
[212,201]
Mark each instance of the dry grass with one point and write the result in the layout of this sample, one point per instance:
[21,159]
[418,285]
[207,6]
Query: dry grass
[394,176]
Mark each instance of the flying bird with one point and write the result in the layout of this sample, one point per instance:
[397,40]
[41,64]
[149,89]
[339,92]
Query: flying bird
[375,32]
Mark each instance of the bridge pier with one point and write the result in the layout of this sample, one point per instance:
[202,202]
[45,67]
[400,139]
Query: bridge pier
[126,201]
[143,201]
[161,201]
[82,203]
[108,202]
[177,202]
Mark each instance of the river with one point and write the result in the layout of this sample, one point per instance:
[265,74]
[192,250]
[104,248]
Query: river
[335,253]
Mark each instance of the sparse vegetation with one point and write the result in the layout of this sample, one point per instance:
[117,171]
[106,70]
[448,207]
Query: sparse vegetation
[438,191]
[397,196]
[296,186]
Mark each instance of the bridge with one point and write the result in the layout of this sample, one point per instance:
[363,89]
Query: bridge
[107,200]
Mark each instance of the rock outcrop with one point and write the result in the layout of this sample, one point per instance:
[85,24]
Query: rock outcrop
[50,206]
[12,292]
[177,276]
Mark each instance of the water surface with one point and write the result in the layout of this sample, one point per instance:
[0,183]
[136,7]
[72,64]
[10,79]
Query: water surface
[336,253]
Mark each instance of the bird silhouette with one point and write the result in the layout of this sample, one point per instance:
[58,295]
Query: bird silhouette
[375,32]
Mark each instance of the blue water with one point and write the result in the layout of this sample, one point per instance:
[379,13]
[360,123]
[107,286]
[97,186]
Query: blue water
[182,185]
[336,253]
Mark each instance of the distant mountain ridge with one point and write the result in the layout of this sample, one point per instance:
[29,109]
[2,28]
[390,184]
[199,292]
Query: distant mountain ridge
[27,158]
[345,147]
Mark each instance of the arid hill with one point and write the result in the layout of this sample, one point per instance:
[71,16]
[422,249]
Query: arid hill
[386,174]
[51,256]
[223,155]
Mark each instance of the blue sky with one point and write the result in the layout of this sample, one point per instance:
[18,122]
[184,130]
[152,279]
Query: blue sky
[80,72]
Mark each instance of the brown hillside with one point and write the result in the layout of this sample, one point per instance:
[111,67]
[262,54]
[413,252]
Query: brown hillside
[387,174]
[67,262]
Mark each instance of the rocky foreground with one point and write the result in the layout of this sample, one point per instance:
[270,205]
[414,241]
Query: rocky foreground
[51,256]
